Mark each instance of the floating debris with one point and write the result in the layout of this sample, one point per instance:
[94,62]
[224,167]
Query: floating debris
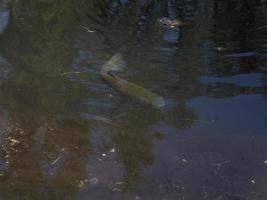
[219,49]
[170,22]
[94,181]
[87,29]
[253,182]
[63,154]
[81,184]
[120,183]
[112,150]
[56,160]
[74,72]
[13,141]
[265,162]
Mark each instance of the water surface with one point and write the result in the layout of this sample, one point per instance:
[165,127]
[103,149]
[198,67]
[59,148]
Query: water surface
[67,134]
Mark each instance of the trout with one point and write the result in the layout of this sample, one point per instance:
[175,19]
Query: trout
[115,64]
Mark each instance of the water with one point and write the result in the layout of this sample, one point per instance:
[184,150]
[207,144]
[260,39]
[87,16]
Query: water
[67,134]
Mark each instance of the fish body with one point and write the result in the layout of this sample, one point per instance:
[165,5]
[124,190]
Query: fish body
[127,87]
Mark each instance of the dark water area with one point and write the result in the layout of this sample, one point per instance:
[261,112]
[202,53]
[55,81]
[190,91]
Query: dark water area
[65,133]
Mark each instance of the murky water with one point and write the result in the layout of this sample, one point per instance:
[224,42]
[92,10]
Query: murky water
[67,134]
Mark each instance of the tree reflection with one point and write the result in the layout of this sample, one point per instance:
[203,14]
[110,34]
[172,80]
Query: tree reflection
[45,144]
[241,37]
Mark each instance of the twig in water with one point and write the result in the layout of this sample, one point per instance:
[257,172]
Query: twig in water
[75,72]
[87,29]
[56,160]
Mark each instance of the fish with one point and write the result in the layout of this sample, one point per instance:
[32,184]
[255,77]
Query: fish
[115,64]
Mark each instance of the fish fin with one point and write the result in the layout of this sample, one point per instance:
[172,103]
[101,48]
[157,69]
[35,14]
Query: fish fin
[118,59]
[117,63]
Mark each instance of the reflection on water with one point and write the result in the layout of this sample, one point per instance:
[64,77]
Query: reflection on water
[66,134]
[4,19]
